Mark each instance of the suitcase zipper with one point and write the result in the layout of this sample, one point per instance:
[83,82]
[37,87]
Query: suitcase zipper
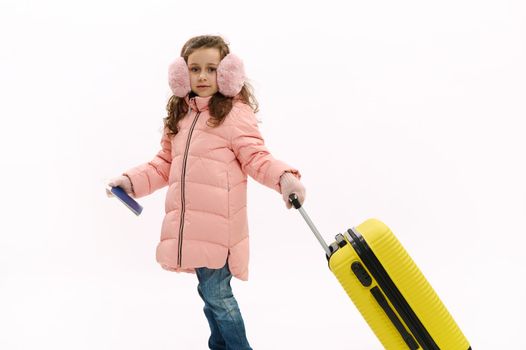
[183,174]
[387,286]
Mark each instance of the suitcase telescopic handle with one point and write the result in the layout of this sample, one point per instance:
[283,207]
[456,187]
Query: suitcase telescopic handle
[293,198]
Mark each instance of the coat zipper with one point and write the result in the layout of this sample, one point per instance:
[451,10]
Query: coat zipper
[183,174]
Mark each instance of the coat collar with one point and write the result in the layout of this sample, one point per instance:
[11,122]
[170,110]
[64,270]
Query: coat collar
[198,103]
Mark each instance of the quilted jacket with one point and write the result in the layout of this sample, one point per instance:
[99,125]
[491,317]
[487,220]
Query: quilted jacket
[205,169]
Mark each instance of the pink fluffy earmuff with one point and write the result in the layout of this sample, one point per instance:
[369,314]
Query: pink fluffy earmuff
[230,76]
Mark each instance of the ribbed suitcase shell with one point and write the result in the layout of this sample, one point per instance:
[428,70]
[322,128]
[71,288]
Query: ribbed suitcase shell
[410,282]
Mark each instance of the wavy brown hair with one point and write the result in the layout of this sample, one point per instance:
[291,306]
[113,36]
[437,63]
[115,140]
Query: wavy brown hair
[219,105]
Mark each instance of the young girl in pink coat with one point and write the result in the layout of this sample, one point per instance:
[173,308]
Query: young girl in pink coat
[210,144]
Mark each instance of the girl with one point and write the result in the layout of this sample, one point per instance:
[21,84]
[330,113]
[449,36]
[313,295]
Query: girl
[210,143]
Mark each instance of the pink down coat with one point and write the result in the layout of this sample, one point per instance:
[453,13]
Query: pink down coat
[206,170]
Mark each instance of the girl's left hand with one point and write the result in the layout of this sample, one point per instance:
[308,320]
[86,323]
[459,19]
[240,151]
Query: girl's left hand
[290,184]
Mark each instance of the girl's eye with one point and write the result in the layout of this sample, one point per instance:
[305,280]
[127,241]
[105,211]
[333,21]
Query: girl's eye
[195,69]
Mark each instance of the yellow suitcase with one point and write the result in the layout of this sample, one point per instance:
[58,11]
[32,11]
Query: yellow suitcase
[388,289]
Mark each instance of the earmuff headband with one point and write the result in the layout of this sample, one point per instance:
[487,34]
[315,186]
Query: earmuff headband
[230,76]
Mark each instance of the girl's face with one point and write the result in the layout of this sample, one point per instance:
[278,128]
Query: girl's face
[202,64]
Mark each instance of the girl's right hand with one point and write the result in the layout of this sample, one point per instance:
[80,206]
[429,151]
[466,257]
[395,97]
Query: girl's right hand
[122,182]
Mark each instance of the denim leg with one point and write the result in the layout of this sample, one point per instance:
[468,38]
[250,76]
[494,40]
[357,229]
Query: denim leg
[216,340]
[221,310]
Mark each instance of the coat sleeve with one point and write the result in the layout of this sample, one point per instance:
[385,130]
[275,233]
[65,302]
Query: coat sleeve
[149,177]
[250,150]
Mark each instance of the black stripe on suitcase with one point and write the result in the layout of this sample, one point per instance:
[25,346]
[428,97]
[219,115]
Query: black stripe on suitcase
[384,304]
[391,292]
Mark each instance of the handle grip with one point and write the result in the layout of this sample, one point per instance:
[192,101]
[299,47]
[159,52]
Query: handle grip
[293,198]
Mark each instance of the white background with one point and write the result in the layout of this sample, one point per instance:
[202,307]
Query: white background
[412,112]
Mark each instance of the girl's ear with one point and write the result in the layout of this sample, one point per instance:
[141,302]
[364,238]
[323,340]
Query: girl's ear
[179,78]
[230,75]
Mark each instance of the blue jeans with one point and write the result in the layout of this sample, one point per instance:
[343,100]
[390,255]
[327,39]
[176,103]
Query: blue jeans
[221,310]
